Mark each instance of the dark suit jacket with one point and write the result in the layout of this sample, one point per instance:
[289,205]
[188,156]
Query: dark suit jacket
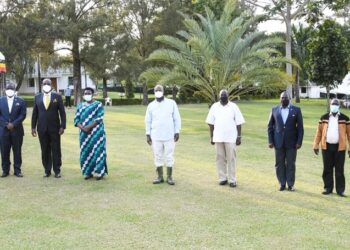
[16,117]
[53,118]
[289,134]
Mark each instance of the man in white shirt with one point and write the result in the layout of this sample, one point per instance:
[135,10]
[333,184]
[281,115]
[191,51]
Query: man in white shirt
[12,114]
[163,124]
[333,136]
[225,120]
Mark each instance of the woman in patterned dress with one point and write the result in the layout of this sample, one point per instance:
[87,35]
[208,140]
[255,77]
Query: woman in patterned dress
[92,136]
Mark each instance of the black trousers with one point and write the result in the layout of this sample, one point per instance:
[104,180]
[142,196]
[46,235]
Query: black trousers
[332,158]
[50,143]
[285,165]
[15,142]
[67,100]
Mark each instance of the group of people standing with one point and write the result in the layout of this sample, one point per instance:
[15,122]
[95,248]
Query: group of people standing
[163,125]
[48,123]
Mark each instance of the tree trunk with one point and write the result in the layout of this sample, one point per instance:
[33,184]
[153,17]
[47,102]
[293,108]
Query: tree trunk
[175,90]
[289,69]
[104,85]
[328,96]
[145,94]
[76,71]
[297,87]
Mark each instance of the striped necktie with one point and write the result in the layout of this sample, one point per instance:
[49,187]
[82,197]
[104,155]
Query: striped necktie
[47,101]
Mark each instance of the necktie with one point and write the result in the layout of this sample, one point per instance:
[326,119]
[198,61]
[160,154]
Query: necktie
[47,101]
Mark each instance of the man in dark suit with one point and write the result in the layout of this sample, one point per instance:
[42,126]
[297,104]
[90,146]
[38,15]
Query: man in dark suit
[13,111]
[49,118]
[285,131]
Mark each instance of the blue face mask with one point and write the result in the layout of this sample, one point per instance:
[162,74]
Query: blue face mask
[334,108]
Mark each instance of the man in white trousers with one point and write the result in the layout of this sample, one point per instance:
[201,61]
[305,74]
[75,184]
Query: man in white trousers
[225,120]
[163,124]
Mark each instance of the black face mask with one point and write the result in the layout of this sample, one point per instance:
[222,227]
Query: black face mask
[224,100]
[285,103]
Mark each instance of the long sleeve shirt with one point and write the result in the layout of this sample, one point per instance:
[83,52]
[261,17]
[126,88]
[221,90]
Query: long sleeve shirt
[162,120]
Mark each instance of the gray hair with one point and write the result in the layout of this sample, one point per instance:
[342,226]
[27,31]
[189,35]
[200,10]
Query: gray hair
[47,81]
[223,91]
[10,85]
[158,86]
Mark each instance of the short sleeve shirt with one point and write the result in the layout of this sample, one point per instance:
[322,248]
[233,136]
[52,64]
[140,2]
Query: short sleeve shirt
[225,120]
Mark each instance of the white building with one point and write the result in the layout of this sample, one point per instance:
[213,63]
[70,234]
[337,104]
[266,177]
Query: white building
[60,78]
[309,91]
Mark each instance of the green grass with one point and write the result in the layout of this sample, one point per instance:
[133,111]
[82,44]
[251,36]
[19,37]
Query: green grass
[126,211]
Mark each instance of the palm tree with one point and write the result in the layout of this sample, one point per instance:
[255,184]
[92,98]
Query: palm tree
[300,40]
[212,54]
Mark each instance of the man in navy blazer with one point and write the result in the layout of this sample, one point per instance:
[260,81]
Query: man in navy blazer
[13,111]
[285,131]
[49,118]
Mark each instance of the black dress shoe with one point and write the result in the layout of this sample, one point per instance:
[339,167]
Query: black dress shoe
[222,183]
[326,192]
[58,175]
[282,188]
[98,178]
[291,189]
[4,175]
[19,175]
[47,175]
[233,184]
[88,177]
[341,194]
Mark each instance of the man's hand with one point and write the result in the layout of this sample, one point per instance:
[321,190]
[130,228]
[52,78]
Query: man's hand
[33,132]
[10,126]
[85,130]
[316,150]
[149,140]
[176,137]
[297,146]
[61,131]
[270,145]
[238,141]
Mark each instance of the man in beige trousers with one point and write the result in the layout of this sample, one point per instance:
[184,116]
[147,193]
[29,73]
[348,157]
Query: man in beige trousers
[225,120]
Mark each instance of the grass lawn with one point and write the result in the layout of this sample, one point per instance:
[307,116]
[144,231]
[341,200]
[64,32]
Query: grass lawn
[125,211]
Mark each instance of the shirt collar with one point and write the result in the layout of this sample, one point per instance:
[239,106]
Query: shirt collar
[331,114]
[285,107]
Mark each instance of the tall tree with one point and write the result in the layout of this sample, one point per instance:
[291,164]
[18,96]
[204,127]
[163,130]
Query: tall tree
[76,21]
[300,39]
[328,58]
[213,53]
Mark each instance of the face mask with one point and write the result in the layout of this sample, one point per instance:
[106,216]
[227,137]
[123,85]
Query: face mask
[285,102]
[87,98]
[158,94]
[334,108]
[224,99]
[10,92]
[46,88]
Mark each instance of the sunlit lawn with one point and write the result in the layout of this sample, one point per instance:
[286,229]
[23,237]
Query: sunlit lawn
[126,211]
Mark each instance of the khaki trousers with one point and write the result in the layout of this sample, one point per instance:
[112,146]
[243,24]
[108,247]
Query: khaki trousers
[226,161]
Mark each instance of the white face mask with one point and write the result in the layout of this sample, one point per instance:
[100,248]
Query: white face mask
[46,88]
[334,108]
[10,92]
[158,94]
[87,98]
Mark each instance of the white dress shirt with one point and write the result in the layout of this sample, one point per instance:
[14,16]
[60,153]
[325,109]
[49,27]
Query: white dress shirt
[162,120]
[333,129]
[284,113]
[225,120]
[10,102]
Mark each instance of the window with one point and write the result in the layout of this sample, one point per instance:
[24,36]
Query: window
[31,83]
[70,81]
[303,90]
